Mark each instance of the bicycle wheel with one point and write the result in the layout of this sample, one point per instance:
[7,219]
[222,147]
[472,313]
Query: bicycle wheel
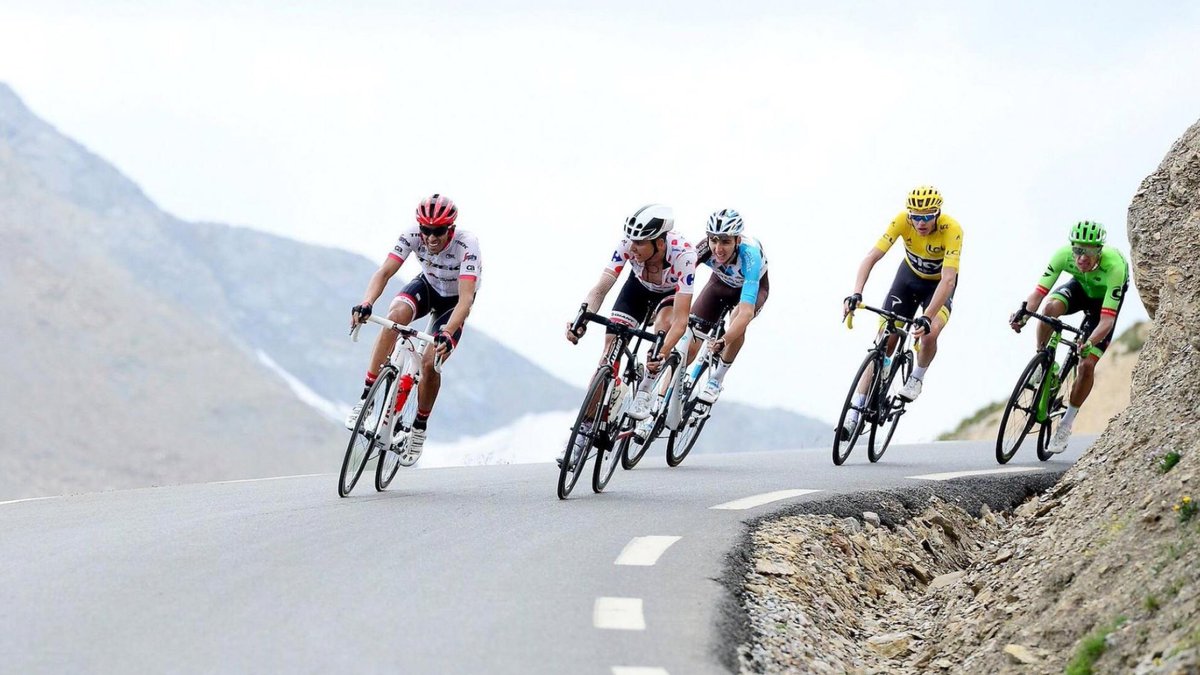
[364,439]
[891,408]
[840,454]
[1020,414]
[1055,410]
[695,414]
[389,459]
[634,451]
[572,467]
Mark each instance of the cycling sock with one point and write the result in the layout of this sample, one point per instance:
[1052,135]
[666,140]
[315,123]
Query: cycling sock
[422,419]
[1069,418]
[722,368]
[919,372]
[371,377]
[858,401]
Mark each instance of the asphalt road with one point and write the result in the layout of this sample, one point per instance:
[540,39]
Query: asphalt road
[465,570]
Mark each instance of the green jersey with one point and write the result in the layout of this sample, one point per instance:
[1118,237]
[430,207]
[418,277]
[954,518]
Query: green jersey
[1106,281]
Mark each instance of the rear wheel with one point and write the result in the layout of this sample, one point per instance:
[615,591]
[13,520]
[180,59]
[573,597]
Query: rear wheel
[695,414]
[1020,414]
[364,439]
[843,446]
[389,460]
[572,467]
[891,409]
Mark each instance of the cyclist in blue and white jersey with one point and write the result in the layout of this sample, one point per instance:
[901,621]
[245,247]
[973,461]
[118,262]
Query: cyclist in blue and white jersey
[738,284]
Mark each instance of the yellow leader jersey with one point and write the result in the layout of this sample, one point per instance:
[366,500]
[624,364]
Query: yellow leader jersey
[925,254]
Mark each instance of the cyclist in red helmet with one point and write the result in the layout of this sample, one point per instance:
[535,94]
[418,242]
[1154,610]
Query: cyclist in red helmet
[444,290]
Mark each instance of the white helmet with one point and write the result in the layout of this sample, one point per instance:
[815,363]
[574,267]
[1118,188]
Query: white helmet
[725,221]
[649,222]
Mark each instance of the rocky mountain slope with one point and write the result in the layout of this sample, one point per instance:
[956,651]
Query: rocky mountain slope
[138,349]
[1110,393]
[1099,574]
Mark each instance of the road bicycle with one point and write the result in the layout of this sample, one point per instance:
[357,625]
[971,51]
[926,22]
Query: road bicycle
[384,427]
[1040,396]
[695,411]
[883,407]
[602,418]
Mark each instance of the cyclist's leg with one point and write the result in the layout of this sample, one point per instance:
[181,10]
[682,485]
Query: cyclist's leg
[929,341]
[1086,372]
[710,305]
[635,304]
[733,347]
[901,299]
[431,380]
[1065,299]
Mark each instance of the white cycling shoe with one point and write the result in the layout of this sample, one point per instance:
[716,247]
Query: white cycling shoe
[1059,442]
[640,409]
[580,446]
[409,451]
[848,426]
[711,391]
[911,390]
[641,432]
[352,418]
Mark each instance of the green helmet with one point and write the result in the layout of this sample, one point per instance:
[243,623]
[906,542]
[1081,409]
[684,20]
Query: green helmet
[1087,233]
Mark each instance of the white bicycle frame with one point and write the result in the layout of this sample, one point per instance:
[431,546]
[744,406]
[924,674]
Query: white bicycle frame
[406,360]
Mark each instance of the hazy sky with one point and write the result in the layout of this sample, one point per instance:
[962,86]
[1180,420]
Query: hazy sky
[548,123]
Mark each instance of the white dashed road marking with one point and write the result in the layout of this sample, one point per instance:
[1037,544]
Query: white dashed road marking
[638,670]
[759,500]
[256,480]
[27,499]
[982,472]
[618,614]
[644,551]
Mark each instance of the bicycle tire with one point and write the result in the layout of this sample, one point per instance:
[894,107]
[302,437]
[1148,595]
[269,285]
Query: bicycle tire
[630,458]
[389,462]
[682,439]
[1006,450]
[363,445]
[894,406]
[873,358]
[569,471]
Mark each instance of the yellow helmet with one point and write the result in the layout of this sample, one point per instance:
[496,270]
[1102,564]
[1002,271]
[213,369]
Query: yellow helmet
[923,198]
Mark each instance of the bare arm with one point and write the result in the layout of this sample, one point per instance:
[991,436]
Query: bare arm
[739,322]
[379,282]
[466,298]
[1032,304]
[682,307]
[864,272]
[1103,328]
[594,299]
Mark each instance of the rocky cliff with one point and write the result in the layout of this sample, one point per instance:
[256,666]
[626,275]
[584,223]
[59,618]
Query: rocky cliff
[1101,573]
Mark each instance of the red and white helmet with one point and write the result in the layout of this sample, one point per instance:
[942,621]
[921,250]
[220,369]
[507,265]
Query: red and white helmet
[437,210]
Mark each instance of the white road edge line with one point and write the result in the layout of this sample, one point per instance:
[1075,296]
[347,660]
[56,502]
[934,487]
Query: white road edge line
[27,499]
[638,670]
[618,614]
[759,500]
[256,480]
[644,551]
[981,472]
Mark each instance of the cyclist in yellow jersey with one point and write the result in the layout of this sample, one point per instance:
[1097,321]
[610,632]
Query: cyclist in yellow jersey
[927,278]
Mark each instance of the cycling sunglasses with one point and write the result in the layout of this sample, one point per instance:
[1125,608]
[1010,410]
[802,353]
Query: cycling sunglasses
[435,231]
[1089,251]
[923,217]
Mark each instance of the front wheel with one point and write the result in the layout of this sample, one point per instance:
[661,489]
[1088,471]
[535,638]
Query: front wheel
[365,438]
[607,459]
[389,459]
[695,414]
[571,466]
[1020,414]
[891,408]
[843,446]
[633,450]
[1056,407]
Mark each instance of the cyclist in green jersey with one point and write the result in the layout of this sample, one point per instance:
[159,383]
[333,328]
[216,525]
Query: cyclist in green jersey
[1099,280]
